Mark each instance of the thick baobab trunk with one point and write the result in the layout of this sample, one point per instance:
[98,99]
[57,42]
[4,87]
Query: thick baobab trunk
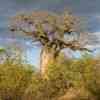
[47,57]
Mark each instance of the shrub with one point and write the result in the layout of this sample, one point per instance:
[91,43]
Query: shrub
[79,73]
[14,79]
[69,79]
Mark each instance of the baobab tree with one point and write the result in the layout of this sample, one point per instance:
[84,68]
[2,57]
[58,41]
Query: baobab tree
[50,30]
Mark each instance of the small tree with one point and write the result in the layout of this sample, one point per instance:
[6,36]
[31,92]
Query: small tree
[50,30]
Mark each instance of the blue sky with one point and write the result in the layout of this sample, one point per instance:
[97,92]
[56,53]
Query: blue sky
[89,9]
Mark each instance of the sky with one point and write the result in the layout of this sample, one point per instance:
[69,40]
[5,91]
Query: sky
[89,9]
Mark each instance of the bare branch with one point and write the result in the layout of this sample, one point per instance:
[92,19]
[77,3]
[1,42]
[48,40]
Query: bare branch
[74,45]
[49,29]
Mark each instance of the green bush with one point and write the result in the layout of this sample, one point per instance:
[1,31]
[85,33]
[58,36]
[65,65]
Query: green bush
[14,79]
[61,78]
[81,76]
[80,73]
[69,79]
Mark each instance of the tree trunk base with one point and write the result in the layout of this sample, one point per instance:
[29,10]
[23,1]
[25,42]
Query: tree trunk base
[47,57]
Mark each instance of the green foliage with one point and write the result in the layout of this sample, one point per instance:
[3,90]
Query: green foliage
[14,79]
[79,73]
[66,80]
[2,50]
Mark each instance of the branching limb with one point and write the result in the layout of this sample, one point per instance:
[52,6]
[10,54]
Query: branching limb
[74,45]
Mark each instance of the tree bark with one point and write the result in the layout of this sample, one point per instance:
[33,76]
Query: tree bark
[48,55]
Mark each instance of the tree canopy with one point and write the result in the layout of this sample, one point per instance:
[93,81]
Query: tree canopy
[49,29]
